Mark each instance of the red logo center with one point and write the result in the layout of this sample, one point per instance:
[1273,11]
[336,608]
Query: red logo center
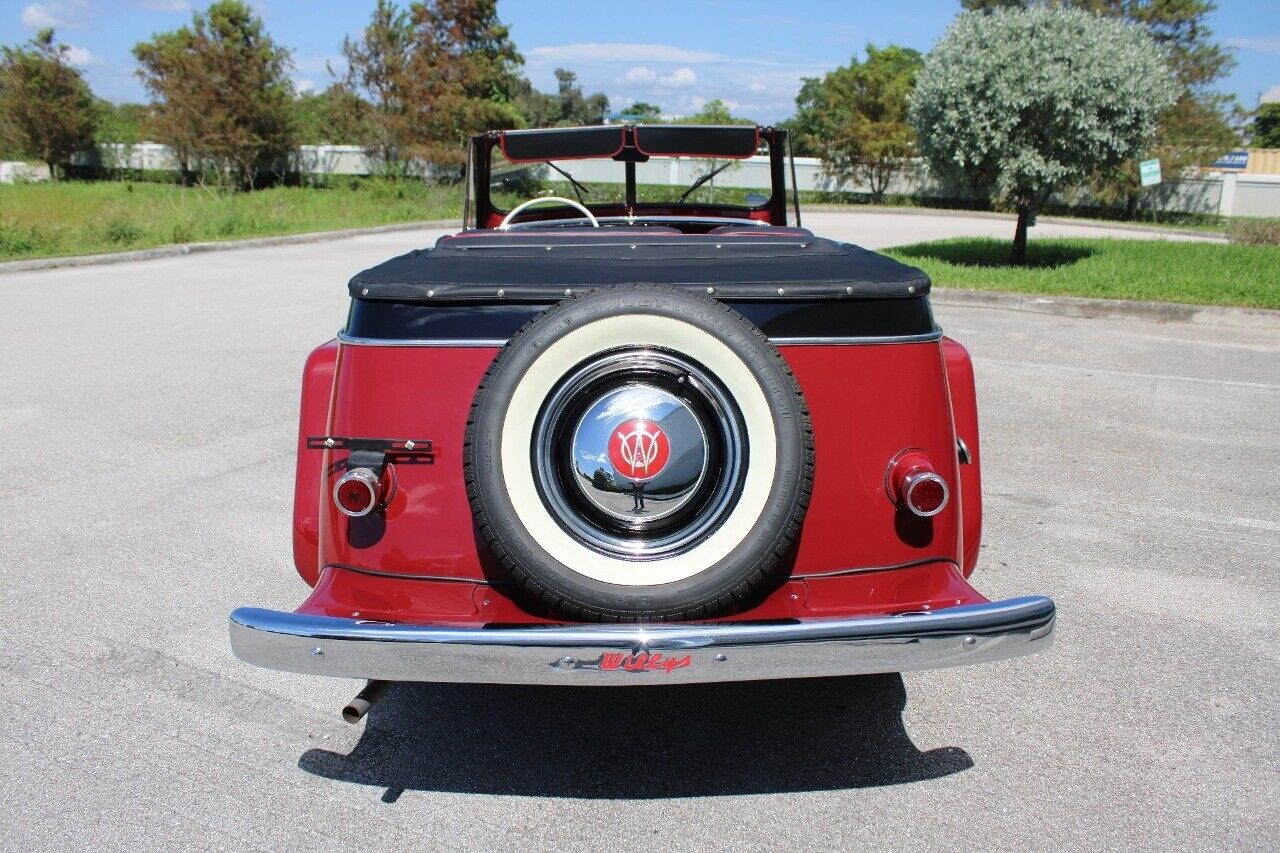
[639,449]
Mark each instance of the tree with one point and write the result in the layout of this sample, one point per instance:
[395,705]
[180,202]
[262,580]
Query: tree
[1196,128]
[461,78]
[121,123]
[855,117]
[991,5]
[715,111]
[569,107]
[221,93]
[378,70]
[336,116]
[1264,131]
[643,111]
[46,108]
[805,127]
[1022,103]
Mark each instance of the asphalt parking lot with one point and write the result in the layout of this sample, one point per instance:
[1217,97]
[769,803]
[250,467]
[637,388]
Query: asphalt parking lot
[148,410]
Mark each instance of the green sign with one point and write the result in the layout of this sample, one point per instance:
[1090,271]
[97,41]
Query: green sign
[1149,171]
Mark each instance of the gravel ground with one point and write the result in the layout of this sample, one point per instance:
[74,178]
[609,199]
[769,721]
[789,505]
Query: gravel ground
[150,407]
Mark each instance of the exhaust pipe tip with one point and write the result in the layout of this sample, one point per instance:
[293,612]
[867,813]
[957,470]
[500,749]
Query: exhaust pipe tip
[358,707]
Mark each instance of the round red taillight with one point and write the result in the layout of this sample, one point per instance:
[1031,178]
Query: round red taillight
[924,493]
[914,484]
[357,492]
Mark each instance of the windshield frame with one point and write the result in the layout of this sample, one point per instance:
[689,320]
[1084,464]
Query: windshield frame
[486,214]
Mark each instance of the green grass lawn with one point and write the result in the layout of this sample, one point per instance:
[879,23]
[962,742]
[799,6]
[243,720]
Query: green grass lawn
[1149,270]
[75,217]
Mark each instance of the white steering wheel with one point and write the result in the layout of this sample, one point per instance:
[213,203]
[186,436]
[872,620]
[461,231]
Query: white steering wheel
[519,208]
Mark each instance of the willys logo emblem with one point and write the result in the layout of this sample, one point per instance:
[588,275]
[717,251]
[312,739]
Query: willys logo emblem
[643,662]
[639,449]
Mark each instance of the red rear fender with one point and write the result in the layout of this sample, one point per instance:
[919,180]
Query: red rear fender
[964,412]
[317,394]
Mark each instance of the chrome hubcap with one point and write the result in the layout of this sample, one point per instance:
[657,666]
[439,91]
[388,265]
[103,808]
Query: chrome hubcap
[640,453]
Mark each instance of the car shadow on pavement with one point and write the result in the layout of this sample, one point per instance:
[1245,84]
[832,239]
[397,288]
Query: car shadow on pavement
[638,743]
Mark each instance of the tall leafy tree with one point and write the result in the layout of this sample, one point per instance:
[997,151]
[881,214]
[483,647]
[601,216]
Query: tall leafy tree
[855,117]
[378,72]
[1023,103]
[1264,131]
[46,108]
[461,78]
[221,93]
[568,107]
[1197,127]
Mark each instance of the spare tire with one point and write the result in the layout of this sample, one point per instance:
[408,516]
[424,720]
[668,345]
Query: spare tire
[639,452]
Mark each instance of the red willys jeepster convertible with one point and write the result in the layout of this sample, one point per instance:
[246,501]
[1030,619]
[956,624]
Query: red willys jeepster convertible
[639,436]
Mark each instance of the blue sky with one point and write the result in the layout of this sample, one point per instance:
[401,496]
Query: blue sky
[676,54]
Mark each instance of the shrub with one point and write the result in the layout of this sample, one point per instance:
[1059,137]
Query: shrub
[1254,232]
[14,242]
[121,231]
[182,233]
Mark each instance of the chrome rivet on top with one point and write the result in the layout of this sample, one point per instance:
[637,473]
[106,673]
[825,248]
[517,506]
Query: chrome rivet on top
[781,291]
[431,293]
[633,245]
[720,657]
[911,289]
[501,293]
[849,290]
[568,291]
[317,652]
[409,445]
[718,246]
[329,442]
[364,292]
[969,641]
[711,290]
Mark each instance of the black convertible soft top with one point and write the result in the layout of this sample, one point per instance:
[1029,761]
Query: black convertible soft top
[736,262]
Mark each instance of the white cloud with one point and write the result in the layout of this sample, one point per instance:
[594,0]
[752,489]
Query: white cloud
[618,52]
[640,74]
[1271,95]
[57,13]
[80,56]
[37,17]
[756,86]
[1264,44]
[681,78]
[303,84]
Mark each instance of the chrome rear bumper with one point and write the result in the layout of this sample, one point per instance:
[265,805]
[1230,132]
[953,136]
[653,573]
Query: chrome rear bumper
[642,654]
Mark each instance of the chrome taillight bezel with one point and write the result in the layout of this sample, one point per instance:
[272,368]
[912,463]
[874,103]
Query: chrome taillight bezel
[373,487]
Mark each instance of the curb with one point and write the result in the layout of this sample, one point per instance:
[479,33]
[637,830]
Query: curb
[1075,306]
[217,246]
[1105,224]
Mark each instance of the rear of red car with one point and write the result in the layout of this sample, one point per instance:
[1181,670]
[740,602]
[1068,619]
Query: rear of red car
[638,454]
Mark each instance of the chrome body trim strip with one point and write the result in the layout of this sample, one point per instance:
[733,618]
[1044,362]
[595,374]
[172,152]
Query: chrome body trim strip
[344,338]
[607,655]
[927,337]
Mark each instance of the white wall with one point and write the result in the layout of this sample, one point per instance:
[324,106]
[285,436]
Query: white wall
[1207,192]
